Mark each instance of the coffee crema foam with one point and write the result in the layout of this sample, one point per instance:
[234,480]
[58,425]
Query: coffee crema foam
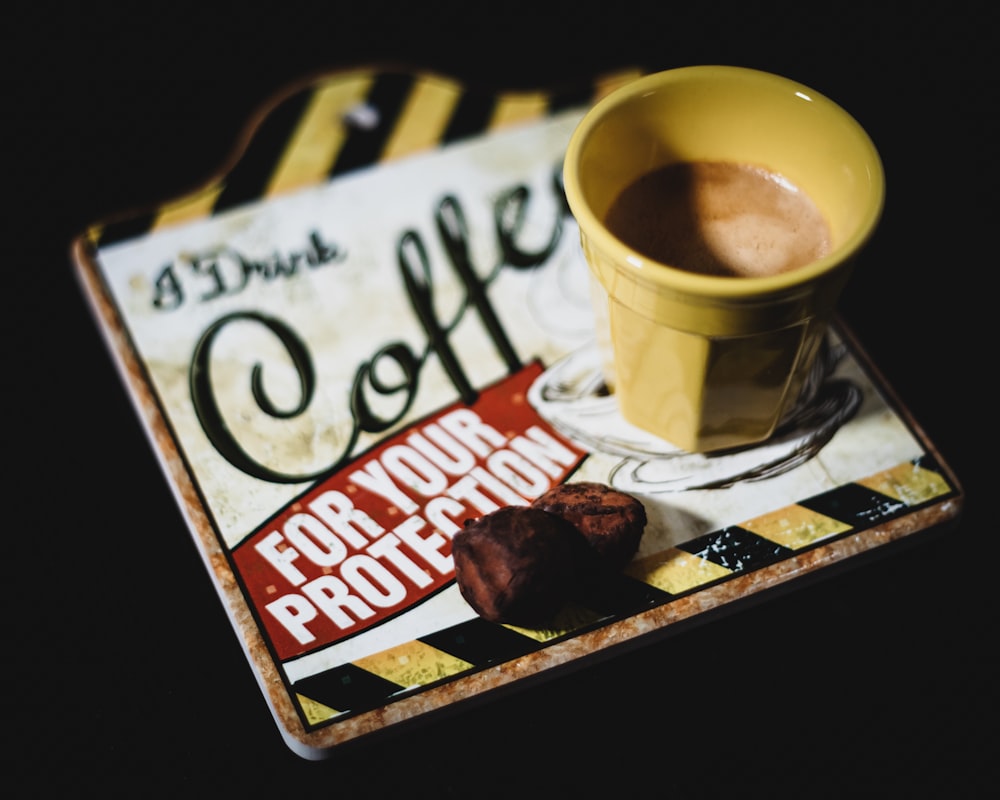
[720,218]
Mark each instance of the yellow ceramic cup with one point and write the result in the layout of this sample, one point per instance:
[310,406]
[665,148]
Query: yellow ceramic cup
[707,362]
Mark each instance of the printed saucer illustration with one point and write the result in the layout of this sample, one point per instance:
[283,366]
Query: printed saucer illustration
[572,396]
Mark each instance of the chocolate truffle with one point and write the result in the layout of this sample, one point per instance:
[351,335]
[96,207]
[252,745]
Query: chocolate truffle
[610,520]
[517,564]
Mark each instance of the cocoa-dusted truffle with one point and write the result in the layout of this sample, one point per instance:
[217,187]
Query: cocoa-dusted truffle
[610,520]
[518,564]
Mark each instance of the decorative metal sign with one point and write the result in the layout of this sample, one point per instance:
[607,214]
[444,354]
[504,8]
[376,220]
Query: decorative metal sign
[351,343]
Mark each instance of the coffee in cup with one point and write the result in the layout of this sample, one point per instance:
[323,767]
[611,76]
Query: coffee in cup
[720,218]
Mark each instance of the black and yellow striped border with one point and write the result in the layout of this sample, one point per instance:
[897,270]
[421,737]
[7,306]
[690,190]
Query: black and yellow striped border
[649,582]
[348,121]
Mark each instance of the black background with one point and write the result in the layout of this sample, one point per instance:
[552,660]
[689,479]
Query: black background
[121,672]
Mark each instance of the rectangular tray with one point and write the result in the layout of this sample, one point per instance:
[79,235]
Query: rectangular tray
[376,324]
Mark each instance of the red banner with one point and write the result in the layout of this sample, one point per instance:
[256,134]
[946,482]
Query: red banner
[374,539]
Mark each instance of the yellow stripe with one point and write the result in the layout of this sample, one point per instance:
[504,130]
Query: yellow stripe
[608,83]
[195,206]
[413,664]
[675,571]
[425,115]
[514,108]
[93,233]
[795,526]
[313,147]
[315,712]
[908,483]
[570,618]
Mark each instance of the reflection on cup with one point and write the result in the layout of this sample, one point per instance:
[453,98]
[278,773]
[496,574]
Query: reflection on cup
[720,211]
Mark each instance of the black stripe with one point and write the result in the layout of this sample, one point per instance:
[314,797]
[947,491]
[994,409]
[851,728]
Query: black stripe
[736,549]
[480,642]
[347,688]
[250,176]
[577,95]
[565,99]
[121,230]
[927,461]
[364,145]
[621,596]
[471,116]
[856,505]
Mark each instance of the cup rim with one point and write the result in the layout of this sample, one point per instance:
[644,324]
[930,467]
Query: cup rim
[648,270]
